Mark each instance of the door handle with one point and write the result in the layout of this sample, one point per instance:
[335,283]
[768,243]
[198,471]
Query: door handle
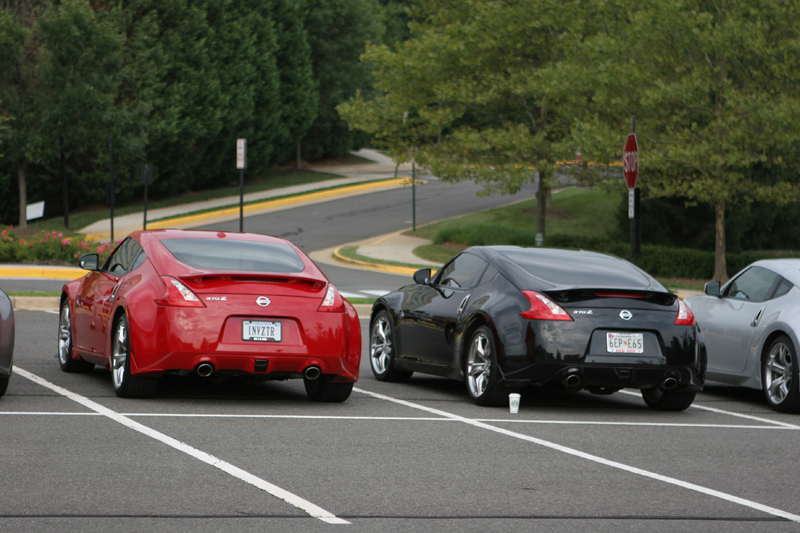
[462,305]
[754,323]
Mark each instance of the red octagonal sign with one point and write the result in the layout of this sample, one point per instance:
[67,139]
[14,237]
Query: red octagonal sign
[630,160]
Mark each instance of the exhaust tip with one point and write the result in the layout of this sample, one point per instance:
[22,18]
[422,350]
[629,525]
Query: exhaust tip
[312,373]
[205,369]
[573,380]
[669,384]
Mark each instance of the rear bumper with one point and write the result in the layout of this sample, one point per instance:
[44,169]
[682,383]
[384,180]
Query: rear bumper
[582,376]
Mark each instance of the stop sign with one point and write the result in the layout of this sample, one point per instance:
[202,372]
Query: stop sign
[630,161]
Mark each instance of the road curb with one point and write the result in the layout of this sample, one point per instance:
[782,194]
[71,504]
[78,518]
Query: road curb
[35,303]
[409,271]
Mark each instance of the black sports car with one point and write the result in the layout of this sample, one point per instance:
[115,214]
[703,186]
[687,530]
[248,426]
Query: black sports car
[503,317]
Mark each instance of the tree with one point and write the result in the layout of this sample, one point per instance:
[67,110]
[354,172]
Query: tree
[338,32]
[467,95]
[714,89]
[60,75]
[298,88]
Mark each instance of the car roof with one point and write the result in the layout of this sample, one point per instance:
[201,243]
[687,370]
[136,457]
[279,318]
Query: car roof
[566,269]
[789,268]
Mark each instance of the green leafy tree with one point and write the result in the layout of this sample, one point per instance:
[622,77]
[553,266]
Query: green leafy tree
[298,88]
[61,71]
[338,32]
[714,88]
[468,96]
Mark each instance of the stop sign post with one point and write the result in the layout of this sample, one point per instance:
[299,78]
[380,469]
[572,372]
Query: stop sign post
[241,164]
[630,170]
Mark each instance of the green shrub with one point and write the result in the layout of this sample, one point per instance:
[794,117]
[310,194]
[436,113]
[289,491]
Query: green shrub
[46,246]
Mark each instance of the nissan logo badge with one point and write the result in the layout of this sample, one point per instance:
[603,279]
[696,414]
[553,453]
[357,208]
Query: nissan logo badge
[625,314]
[263,301]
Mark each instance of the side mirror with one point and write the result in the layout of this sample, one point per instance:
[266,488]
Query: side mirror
[423,276]
[89,261]
[712,288]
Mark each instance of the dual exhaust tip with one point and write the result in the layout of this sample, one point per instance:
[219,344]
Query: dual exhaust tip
[206,369]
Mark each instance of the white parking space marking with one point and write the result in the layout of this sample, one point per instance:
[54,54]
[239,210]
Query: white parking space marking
[594,458]
[729,413]
[297,501]
[350,295]
[412,419]
[377,293]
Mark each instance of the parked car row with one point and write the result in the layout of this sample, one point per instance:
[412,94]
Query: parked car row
[498,318]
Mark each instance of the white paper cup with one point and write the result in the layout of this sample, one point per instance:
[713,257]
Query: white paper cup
[513,402]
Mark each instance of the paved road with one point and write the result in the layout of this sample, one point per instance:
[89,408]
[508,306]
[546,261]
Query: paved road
[394,457]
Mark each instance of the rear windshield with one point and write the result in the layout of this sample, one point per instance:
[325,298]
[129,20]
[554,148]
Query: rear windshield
[248,256]
[579,269]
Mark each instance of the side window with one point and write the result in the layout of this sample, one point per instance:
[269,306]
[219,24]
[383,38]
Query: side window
[121,260]
[488,275]
[461,272]
[783,289]
[753,285]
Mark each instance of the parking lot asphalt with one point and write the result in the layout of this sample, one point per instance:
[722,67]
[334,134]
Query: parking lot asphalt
[206,456]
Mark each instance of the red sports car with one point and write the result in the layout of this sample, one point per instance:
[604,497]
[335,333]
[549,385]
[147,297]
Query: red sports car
[221,304]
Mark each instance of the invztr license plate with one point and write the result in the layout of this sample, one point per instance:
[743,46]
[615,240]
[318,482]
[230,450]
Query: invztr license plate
[259,330]
[625,342]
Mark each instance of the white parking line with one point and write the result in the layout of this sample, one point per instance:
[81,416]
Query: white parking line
[729,413]
[577,453]
[297,501]
[411,419]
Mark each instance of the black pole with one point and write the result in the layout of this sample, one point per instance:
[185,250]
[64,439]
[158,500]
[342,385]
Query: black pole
[144,225]
[413,196]
[241,200]
[64,181]
[111,186]
[633,200]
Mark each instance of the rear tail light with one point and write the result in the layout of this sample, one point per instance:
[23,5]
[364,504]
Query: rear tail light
[685,316]
[332,303]
[543,308]
[178,294]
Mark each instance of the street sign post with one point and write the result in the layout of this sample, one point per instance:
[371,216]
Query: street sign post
[241,163]
[147,179]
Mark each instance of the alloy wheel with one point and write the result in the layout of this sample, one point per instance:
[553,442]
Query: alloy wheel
[479,365]
[64,336]
[119,354]
[380,351]
[778,373]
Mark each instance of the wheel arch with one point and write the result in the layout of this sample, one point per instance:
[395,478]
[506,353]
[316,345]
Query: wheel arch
[474,322]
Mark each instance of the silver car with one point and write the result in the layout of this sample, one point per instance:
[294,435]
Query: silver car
[752,330]
[6,340]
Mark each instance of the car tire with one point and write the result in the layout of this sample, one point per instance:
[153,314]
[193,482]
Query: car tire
[381,350]
[779,376]
[4,384]
[320,390]
[668,400]
[65,360]
[126,385]
[480,369]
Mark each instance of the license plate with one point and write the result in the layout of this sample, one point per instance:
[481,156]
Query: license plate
[259,330]
[625,342]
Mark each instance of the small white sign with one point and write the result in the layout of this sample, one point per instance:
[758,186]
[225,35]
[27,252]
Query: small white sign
[241,153]
[631,204]
[34,210]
